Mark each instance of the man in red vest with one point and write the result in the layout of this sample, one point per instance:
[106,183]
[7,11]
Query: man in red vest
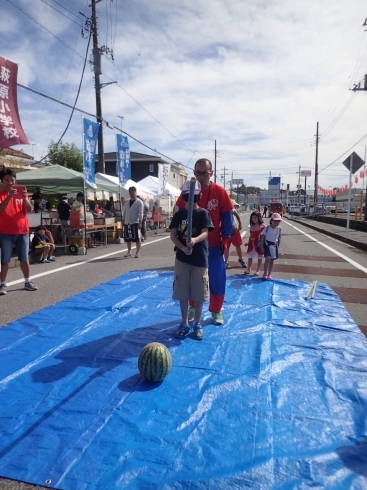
[215,199]
[14,228]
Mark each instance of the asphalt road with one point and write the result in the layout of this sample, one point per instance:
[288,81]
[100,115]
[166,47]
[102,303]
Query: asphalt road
[304,254]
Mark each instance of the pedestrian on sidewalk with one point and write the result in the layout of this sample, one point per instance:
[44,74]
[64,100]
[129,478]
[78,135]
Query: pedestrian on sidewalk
[269,245]
[191,264]
[14,228]
[215,199]
[253,250]
[235,240]
[132,217]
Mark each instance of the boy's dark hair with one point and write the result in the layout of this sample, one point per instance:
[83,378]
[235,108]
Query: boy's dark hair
[258,214]
[7,171]
[80,194]
[40,227]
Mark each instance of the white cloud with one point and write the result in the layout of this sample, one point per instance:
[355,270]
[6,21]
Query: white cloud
[255,76]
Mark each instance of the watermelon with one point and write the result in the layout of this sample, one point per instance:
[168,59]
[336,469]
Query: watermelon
[154,362]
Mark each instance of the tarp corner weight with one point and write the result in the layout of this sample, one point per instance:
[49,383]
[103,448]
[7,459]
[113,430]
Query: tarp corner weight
[276,398]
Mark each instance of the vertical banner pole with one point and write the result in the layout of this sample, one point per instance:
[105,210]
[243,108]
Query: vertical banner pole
[349,191]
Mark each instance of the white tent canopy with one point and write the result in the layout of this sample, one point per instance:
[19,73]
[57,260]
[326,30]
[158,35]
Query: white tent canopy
[141,190]
[151,183]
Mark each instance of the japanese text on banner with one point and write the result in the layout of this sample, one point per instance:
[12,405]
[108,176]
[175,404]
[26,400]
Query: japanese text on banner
[11,131]
[123,159]
[90,136]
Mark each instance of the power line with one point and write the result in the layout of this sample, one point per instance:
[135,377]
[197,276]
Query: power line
[70,12]
[45,28]
[93,115]
[332,163]
[72,20]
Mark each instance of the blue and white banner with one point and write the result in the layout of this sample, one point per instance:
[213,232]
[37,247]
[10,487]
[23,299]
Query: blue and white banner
[163,174]
[90,136]
[123,159]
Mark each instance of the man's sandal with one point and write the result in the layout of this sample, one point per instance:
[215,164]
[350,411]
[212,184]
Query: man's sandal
[182,332]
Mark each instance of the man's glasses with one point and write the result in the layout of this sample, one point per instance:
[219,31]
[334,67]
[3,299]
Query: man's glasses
[204,174]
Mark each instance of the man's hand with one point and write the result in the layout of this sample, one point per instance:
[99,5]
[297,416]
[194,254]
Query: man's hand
[12,192]
[225,244]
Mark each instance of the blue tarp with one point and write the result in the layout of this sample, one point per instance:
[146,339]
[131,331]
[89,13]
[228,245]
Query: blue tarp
[274,399]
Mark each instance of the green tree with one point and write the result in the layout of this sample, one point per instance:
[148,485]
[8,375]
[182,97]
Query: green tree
[65,154]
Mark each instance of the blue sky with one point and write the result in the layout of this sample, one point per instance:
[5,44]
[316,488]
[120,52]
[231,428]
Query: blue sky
[255,76]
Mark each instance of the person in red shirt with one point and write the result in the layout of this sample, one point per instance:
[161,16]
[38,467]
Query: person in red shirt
[14,228]
[215,199]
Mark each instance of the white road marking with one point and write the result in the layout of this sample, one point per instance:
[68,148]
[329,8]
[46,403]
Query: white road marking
[352,262]
[53,271]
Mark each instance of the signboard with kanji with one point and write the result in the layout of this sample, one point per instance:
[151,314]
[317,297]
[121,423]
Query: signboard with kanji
[11,131]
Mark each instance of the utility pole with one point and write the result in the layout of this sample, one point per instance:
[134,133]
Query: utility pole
[122,118]
[223,176]
[357,88]
[97,72]
[316,169]
[215,161]
[299,186]
[97,68]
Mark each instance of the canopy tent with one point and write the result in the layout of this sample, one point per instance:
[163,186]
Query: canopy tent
[60,180]
[141,190]
[151,183]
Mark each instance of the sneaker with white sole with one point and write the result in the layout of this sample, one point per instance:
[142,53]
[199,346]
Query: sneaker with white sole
[217,318]
[3,289]
[29,286]
[191,314]
[243,263]
[136,255]
[128,254]
[51,259]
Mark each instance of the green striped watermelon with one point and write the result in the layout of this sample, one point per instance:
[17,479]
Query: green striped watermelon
[155,362]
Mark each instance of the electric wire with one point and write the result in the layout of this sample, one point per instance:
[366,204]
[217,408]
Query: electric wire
[336,160]
[93,115]
[70,12]
[45,28]
[72,20]
[77,96]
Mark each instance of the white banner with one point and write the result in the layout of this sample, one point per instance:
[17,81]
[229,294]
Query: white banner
[163,173]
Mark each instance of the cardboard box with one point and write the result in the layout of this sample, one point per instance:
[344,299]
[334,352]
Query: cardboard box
[79,241]
[111,236]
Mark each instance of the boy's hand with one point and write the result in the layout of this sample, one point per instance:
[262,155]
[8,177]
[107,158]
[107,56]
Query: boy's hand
[187,250]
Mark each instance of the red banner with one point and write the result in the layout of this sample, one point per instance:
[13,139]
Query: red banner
[11,131]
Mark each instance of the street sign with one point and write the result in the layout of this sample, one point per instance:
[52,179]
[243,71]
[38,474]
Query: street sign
[237,181]
[306,173]
[357,162]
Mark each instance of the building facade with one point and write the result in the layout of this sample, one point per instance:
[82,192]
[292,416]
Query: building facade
[143,165]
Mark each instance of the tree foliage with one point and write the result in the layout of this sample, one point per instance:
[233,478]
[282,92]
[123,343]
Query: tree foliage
[65,154]
[244,189]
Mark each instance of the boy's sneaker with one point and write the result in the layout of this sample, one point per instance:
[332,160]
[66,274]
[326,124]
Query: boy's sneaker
[136,255]
[45,261]
[226,264]
[127,255]
[217,318]
[3,289]
[29,286]
[198,332]
[191,314]
[243,263]
[51,259]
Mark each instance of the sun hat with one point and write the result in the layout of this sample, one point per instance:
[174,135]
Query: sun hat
[186,187]
[276,217]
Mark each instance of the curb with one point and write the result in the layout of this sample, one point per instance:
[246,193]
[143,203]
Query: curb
[341,238]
